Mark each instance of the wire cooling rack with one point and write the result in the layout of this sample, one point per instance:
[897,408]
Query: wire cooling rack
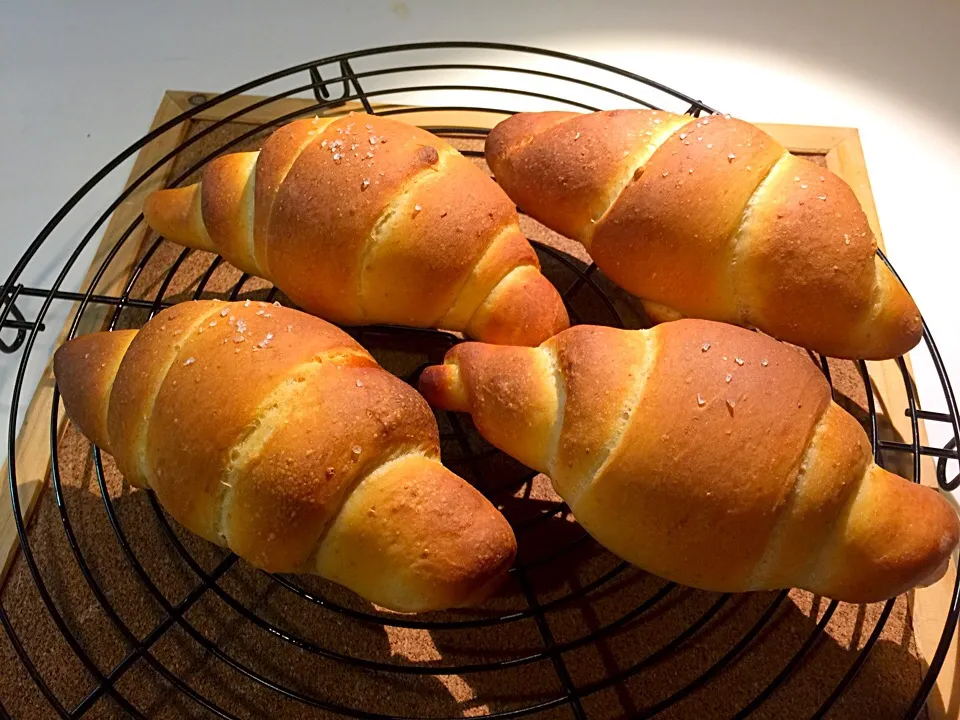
[518,78]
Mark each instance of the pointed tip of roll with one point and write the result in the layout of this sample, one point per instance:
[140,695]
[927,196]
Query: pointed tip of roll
[175,213]
[442,388]
[85,368]
[516,131]
[896,536]
[897,327]
[523,309]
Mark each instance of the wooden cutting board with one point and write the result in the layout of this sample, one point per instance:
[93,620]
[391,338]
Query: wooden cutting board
[884,688]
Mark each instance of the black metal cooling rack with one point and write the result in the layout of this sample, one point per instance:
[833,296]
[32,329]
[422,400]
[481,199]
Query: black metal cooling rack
[387,74]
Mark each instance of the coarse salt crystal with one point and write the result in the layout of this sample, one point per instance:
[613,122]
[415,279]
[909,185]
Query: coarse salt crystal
[224,312]
[359,383]
[665,173]
[241,326]
[731,404]
[846,239]
[731,156]
[369,154]
[683,136]
[337,156]
[700,401]
[700,139]
[246,303]
[365,184]
[822,178]
[821,197]
[259,312]
[764,362]
[729,377]
[738,361]
[709,146]
[190,361]
[357,449]
[266,315]
[691,171]
[577,136]
[373,139]
[657,121]
[417,208]
[706,121]
[213,323]
[276,303]
[289,328]
[803,186]
[796,178]
[705,347]
[323,143]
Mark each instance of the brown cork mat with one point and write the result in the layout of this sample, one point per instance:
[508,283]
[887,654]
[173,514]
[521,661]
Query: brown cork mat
[608,619]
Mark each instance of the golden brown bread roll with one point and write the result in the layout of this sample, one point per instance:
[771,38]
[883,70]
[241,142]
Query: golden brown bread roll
[710,218]
[360,220]
[274,434]
[704,453]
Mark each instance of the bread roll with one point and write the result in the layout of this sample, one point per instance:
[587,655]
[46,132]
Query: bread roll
[274,434]
[362,219]
[707,454]
[710,218]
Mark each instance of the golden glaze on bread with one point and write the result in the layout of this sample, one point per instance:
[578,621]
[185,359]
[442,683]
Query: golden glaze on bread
[705,453]
[273,433]
[363,219]
[710,218]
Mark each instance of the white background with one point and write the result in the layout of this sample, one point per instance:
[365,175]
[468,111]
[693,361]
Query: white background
[79,81]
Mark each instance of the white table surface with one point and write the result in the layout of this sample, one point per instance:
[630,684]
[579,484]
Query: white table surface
[79,81]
